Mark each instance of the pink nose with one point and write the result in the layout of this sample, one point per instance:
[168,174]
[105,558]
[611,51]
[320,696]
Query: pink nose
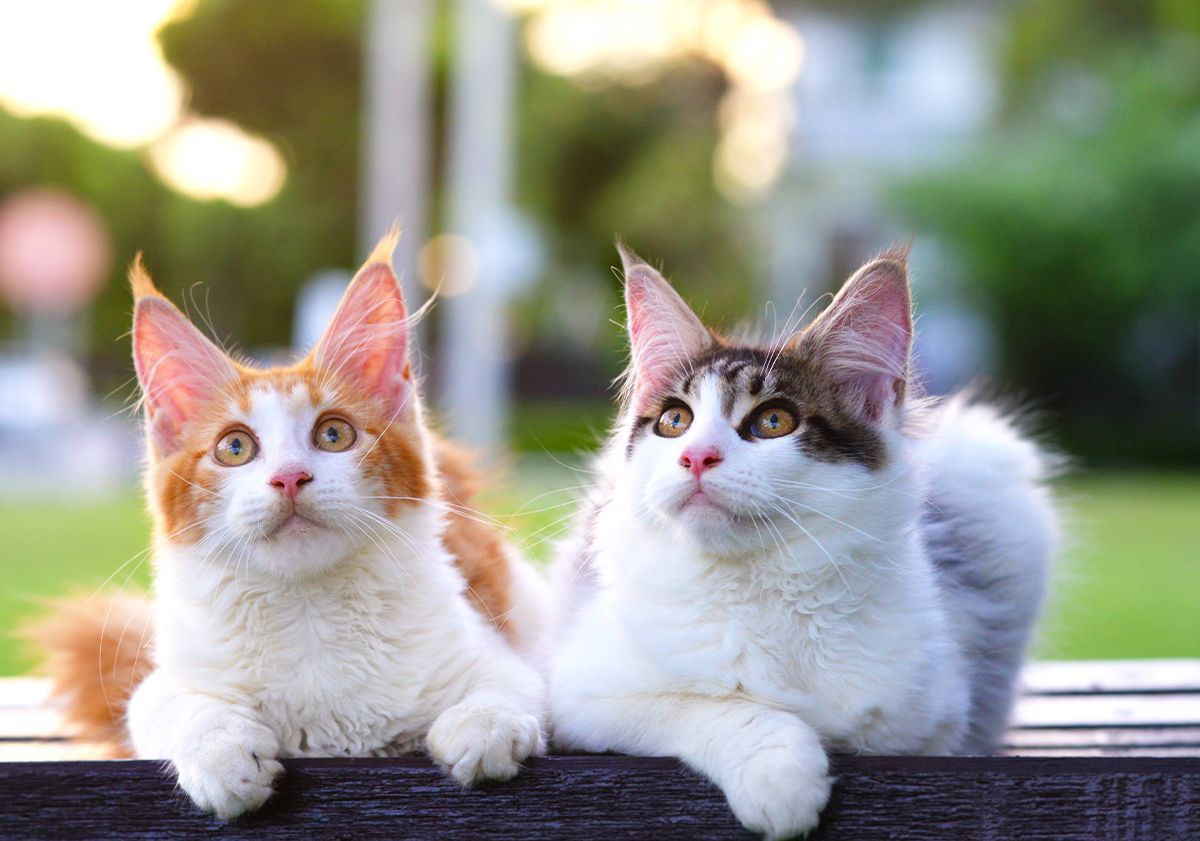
[700,459]
[290,483]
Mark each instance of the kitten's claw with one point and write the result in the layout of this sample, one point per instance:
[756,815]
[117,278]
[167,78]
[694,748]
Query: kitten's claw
[781,788]
[232,768]
[474,743]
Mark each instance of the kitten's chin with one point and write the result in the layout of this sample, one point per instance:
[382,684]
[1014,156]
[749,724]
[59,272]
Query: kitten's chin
[705,519]
[301,550]
[295,525]
[701,505]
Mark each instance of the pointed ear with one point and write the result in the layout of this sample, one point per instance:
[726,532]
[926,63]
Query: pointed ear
[178,368]
[864,338]
[664,333]
[367,340]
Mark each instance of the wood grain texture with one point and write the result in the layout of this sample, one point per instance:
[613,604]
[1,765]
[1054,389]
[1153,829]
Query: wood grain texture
[992,799]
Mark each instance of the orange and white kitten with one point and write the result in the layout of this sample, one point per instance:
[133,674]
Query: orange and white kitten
[316,590]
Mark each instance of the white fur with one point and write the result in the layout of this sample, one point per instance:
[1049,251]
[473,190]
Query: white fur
[797,612]
[353,638]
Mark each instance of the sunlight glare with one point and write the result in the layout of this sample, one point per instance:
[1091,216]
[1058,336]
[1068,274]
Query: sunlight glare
[214,159]
[635,41]
[95,64]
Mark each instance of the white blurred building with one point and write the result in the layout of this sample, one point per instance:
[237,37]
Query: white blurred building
[55,440]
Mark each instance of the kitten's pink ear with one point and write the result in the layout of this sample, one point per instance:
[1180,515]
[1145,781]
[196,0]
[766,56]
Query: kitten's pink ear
[367,340]
[864,338]
[664,333]
[178,368]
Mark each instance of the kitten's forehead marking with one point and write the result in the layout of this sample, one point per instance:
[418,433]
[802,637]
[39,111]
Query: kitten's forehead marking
[282,414]
[739,374]
[709,395]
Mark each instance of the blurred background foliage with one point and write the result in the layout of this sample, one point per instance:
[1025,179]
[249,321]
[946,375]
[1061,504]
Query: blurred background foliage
[1075,217]
[1079,222]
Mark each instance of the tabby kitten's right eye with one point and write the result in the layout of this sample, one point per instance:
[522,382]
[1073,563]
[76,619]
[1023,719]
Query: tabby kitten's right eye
[235,448]
[773,422]
[674,421]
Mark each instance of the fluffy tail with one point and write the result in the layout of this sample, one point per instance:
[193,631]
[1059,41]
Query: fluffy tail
[992,529]
[96,651]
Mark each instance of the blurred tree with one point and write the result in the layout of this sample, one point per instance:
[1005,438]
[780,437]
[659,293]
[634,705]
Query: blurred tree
[1046,40]
[633,162]
[292,75]
[185,241]
[1079,221]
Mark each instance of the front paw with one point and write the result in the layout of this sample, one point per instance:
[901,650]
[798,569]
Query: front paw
[474,743]
[780,788]
[231,766]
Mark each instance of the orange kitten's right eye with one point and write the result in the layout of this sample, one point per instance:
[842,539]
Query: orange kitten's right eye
[235,448]
[334,435]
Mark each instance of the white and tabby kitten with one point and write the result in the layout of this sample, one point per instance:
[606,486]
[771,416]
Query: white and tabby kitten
[775,564]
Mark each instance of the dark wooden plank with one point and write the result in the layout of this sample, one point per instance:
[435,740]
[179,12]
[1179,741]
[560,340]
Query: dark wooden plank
[992,799]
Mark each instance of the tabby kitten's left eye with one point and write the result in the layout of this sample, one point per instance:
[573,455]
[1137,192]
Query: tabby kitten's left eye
[334,435]
[674,421]
[773,422]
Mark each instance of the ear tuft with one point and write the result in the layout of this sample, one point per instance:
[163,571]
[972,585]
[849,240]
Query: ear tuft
[386,247]
[139,280]
[628,258]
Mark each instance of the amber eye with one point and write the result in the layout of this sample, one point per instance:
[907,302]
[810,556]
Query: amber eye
[334,435]
[674,421]
[235,448]
[773,422]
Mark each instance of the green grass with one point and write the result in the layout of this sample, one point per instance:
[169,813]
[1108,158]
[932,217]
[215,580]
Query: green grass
[1129,582]
[1129,586]
[53,548]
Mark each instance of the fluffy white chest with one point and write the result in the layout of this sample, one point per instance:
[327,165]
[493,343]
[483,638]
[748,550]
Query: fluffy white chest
[357,665]
[843,650]
[337,677]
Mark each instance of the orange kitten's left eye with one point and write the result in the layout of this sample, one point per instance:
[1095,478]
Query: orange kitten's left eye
[235,448]
[334,435]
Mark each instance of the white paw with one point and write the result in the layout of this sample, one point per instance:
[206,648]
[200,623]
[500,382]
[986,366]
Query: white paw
[780,788]
[477,743]
[231,766]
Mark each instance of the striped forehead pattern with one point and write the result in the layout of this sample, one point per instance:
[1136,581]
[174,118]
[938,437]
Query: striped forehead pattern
[737,372]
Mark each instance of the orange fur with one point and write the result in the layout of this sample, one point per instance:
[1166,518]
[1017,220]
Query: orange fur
[477,548]
[96,652]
